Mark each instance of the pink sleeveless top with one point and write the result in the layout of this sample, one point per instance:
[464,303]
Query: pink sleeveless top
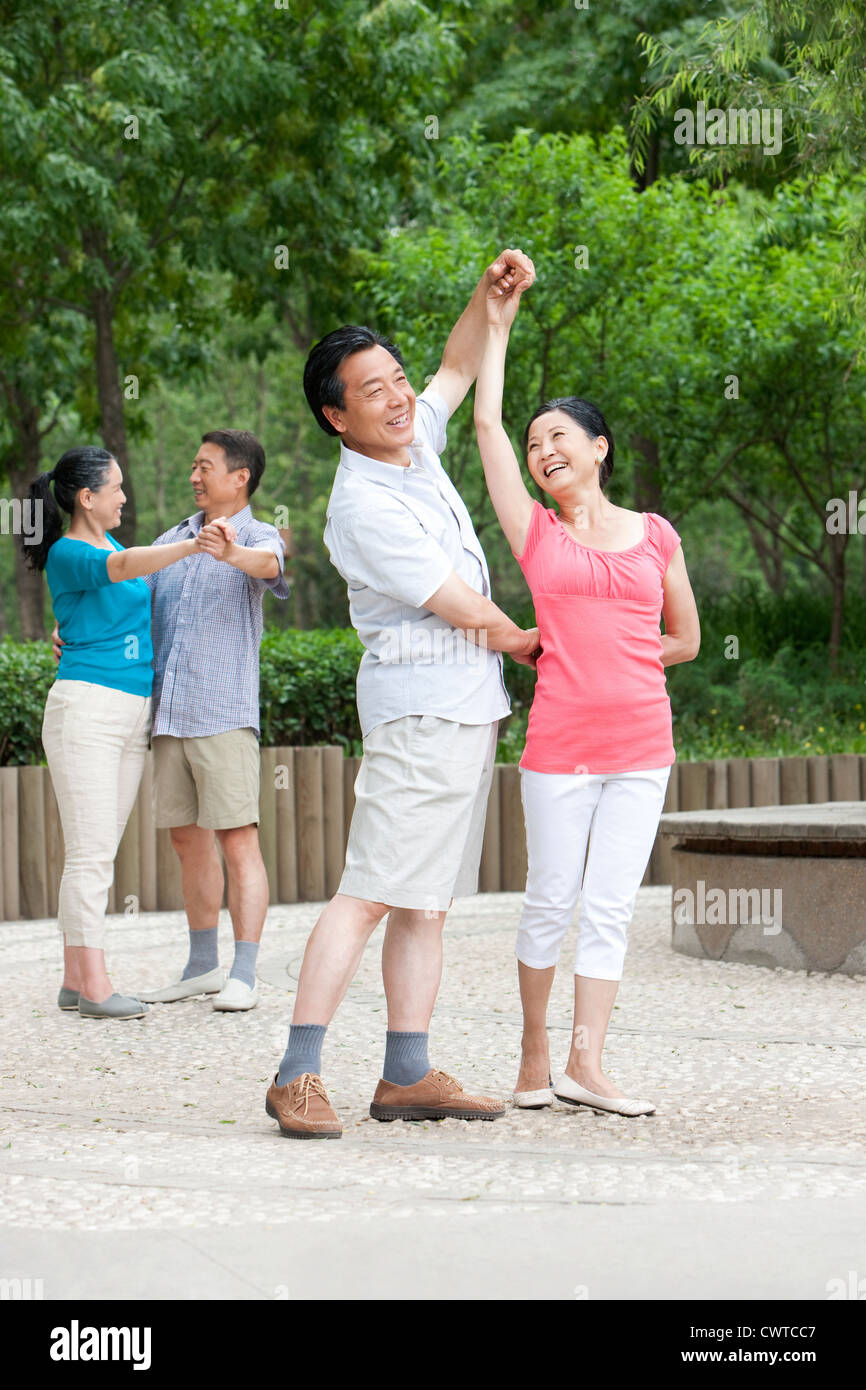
[601,702]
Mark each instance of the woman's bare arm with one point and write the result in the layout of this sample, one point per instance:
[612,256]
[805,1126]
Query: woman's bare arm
[681,640]
[508,492]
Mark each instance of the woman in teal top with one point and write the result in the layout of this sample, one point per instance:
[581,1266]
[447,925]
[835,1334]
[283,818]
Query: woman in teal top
[87,602]
[97,716]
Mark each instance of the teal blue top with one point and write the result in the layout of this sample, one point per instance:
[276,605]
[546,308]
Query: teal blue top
[105,627]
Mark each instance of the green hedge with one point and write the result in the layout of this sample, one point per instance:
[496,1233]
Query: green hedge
[307,691]
[776,699]
[27,673]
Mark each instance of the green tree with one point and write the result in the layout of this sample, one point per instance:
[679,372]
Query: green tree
[805,60]
[144,147]
[693,317]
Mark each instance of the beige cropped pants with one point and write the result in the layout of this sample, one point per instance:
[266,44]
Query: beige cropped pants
[95,739]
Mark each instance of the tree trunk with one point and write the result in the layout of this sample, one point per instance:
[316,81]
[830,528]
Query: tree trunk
[652,165]
[31,599]
[261,402]
[24,463]
[159,476]
[769,552]
[109,391]
[837,566]
[647,477]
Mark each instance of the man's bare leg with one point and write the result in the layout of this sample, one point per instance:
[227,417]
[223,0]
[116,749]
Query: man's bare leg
[333,955]
[331,959]
[247,881]
[411,971]
[201,874]
[248,895]
[201,877]
[412,967]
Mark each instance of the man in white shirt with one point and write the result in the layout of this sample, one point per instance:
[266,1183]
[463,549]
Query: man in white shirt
[430,697]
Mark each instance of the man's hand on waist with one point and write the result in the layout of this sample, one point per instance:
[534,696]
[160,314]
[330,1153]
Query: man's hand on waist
[529,650]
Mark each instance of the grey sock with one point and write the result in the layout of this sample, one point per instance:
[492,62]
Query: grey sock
[244,966]
[203,953]
[406,1059]
[304,1052]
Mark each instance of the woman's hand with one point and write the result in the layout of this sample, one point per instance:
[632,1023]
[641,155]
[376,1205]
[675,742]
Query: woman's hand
[511,267]
[216,538]
[508,277]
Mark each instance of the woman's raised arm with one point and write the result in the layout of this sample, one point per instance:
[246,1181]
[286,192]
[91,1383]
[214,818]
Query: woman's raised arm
[508,493]
[140,560]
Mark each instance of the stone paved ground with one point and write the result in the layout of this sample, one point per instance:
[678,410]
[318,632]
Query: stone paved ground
[150,1136]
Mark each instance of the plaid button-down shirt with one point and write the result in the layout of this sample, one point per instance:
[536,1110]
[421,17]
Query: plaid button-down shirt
[206,629]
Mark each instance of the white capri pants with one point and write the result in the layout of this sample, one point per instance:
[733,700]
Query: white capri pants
[95,739]
[622,811]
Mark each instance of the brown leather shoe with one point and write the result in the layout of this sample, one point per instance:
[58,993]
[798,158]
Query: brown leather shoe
[302,1109]
[437,1096]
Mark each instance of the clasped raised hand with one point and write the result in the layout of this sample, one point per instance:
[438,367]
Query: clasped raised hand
[510,274]
[216,538]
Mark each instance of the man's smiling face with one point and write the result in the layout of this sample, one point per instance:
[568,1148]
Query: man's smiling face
[378,414]
[216,489]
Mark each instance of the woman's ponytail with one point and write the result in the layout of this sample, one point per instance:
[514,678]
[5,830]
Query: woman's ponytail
[53,493]
[45,524]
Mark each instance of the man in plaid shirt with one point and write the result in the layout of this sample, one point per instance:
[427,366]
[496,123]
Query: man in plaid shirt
[207,627]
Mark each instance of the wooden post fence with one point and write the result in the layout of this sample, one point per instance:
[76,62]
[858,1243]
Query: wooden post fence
[307,798]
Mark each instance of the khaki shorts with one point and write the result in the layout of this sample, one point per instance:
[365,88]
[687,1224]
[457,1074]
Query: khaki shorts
[420,807]
[212,782]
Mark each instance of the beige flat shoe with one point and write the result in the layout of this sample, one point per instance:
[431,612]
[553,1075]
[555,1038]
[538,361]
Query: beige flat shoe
[574,1094]
[211,983]
[534,1100]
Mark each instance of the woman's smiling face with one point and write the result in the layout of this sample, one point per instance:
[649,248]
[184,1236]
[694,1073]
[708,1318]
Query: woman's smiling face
[105,503]
[560,453]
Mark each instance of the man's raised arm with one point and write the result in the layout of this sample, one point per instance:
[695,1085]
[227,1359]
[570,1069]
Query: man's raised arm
[465,346]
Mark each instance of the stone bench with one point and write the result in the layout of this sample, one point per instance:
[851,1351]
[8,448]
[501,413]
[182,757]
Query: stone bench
[771,885]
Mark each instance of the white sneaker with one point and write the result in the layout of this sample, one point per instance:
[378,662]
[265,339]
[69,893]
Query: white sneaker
[236,996]
[185,989]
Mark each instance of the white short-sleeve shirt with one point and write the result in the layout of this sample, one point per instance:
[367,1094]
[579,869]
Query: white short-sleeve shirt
[395,534]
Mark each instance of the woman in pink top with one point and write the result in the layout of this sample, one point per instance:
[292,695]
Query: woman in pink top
[599,748]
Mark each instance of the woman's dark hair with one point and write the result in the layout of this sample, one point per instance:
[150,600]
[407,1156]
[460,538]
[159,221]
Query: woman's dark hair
[322,384]
[86,466]
[591,421]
